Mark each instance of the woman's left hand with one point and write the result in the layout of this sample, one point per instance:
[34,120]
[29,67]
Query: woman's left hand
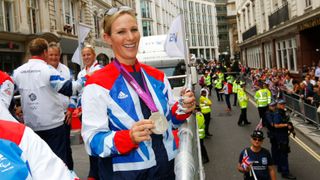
[188,101]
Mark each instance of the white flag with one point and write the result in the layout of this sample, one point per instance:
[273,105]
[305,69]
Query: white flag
[174,44]
[83,33]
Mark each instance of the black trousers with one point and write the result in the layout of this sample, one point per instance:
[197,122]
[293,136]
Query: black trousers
[243,116]
[56,139]
[210,89]
[69,162]
[228,101]
[94,168]
[262,114]
[207,119]
[219,95]
[235,95]
[105,168]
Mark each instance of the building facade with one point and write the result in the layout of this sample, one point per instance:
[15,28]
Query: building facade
[55,20]
[223,30]
[279,33]
[155,17]
[233,31]
[201,28]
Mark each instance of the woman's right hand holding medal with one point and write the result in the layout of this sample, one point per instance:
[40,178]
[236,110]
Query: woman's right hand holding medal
[141,131]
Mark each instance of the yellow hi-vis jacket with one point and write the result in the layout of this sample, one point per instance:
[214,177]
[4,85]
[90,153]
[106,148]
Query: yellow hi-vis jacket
[201,125]
[205,104]
[220,76]
[207,80]
[235,87]
[242,98]
[218,83]
[263,97]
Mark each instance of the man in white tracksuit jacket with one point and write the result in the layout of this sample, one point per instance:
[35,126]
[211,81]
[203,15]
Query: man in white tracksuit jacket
[39,85]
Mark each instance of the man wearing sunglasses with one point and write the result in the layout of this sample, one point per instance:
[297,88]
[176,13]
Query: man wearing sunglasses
[255,162]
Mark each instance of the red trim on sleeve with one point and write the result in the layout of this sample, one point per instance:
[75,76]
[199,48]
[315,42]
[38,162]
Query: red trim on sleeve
[12,131]
[71,109]
[181,117]
[123,142]
[4,77]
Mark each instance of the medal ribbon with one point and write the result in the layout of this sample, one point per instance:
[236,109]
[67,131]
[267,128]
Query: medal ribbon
[144,95]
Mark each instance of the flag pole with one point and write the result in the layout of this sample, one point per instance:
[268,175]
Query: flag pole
[186,50]
[79,46]
[254,174]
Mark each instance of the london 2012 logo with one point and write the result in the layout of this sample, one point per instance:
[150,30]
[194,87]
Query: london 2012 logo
[5,164]
[173,37]
[32,97]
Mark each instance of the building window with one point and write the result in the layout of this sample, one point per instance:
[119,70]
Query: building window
[206,42]
[96,19]
[145,9]
[284,55]
[199,29]
[268,55]
[211,41]
[190,6]
[193,40]
[287,54]
[146,26]
[69,16]
[6,16]
[254,57]
[200,40]
[197,8]
[192,25]
[191,17]
[198,18]
[1,16]
[82,13]
[308,3]
[33,16]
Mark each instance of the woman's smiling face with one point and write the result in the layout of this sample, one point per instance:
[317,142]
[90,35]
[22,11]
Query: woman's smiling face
[124,39]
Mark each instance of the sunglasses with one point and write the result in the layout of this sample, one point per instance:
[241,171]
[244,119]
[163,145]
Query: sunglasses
[257,139]
[113,10]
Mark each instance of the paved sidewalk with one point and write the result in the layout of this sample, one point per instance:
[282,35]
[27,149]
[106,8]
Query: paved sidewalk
[308,130]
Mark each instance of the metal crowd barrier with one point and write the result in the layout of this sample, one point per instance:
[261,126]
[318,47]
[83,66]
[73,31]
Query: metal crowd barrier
[297,106]
[294,104]
[188,163]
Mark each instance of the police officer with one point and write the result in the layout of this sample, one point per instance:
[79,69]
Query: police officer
[270,114]
[243,102]
[202,135]
[280,126]
[235,88]
[218,87]
[205,106]
[262,98]
[208,81]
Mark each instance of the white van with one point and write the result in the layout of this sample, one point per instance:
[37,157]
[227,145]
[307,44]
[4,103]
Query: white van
[152,52]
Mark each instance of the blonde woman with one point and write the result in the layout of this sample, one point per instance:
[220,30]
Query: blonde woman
[128,108]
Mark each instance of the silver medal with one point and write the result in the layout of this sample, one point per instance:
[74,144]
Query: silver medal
[160,122]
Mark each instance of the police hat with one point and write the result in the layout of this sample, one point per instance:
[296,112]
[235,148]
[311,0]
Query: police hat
[257,134]
[273,103]
[282,101]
